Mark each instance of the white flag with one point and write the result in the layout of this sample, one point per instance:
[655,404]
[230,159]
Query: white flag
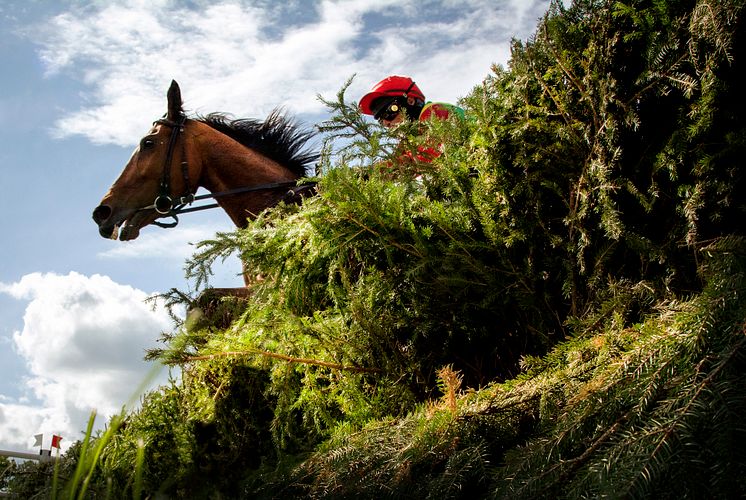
[38,438]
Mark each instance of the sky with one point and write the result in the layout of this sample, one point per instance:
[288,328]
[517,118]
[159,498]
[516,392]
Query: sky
[81,83]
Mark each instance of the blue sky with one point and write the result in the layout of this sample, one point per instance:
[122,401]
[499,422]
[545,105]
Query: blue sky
[81,83]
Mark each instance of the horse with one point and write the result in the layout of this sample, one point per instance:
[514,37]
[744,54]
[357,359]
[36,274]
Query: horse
[246,165]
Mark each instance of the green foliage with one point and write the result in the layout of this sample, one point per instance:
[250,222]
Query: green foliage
[363,142]
[650,410]
[26,479]
[552,306]
[6,471]
[597,148]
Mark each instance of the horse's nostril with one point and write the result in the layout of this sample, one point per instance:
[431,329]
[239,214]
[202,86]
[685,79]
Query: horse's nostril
[101,213]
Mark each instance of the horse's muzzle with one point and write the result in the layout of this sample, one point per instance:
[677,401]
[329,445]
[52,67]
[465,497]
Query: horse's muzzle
[101,215]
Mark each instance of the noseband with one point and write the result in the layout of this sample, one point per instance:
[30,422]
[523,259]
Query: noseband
[165,205]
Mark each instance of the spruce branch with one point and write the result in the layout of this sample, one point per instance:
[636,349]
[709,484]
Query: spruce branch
[283,357]
[684,412]
[570,75]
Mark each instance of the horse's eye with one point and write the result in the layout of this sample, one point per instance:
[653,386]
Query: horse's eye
[147,143]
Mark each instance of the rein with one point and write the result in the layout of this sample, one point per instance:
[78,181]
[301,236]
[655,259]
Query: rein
[167,206]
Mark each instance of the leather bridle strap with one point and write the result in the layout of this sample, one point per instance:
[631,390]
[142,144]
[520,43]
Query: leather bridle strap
[296,190]
[163,203]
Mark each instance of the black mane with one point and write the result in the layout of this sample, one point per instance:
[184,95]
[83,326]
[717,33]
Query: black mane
[277,137]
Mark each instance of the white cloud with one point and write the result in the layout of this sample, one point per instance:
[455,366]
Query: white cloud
[83,342]
[236,56]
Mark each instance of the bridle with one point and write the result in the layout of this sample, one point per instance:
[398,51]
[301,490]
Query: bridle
[163,203]
[167,206]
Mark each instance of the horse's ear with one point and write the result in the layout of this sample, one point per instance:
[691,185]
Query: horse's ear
[174,102]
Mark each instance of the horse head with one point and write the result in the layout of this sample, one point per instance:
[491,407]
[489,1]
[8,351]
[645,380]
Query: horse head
[156,173]
[247,165]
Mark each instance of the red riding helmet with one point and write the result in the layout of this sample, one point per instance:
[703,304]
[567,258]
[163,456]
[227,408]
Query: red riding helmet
[392,86]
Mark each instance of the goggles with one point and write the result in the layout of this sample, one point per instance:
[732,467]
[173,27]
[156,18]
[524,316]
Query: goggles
[388,112]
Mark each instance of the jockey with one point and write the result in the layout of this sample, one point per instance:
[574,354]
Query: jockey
[396,98]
